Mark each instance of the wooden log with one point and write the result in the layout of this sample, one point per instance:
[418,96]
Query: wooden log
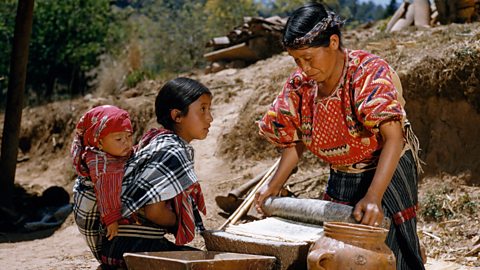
[243,208]
[218,42]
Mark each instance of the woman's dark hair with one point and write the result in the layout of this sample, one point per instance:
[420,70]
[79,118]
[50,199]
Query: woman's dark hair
[305,19]
[177,94]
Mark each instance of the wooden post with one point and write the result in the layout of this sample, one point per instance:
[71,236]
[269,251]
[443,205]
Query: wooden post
[15,97]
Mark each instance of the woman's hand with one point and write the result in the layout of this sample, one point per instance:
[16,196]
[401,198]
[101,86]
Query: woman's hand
[263,193]
[112,230]
[288,162]
[369,211]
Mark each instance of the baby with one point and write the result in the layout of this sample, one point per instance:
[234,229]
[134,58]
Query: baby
[101,146]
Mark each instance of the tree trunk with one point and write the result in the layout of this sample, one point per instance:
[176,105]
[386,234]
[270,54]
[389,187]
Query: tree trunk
[15,97]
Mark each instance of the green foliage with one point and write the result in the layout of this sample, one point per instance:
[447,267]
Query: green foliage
[136,77]
[390,9]
[440,205]
[8,9]
[351,10]
[224,15]
[67,38]
[176,33]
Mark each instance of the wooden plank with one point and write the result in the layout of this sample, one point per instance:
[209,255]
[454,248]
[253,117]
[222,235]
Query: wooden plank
[205,260]
[237,52]
[218,42]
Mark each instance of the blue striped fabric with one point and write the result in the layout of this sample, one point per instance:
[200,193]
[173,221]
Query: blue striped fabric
[402,193]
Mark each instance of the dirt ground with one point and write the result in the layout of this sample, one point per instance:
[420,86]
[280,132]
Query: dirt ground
[440,71]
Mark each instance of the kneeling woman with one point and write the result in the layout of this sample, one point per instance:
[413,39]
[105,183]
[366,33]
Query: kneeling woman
[160,190]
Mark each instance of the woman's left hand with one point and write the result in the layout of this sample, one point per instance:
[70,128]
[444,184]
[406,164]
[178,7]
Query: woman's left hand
[368,211]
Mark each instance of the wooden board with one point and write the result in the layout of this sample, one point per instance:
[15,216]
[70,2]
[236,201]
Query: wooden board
[237,52]
[198,260]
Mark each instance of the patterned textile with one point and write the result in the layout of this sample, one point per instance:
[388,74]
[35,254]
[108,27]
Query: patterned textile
[160,171]
[341,129]
[86,215]
[185,213]
[400,198]
[87,218]
[107,180]
[104,170]
[93,126]
[149,135]
[331,20]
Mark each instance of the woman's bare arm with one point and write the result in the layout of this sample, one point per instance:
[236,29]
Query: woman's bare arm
[369,209]
[160,214]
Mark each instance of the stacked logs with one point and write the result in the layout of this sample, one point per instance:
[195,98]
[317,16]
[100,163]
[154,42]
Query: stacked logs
[257,38]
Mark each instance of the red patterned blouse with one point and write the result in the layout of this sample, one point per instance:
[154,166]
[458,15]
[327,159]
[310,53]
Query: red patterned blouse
[341,129]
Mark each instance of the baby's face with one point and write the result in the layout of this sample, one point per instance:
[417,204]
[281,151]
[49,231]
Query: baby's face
[117,143]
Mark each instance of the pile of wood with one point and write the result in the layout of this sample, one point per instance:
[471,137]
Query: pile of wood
[257,38]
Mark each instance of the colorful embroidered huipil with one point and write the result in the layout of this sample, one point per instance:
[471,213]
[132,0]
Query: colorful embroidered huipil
[341,129]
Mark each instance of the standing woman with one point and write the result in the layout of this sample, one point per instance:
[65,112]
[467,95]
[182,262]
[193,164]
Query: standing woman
[344,107]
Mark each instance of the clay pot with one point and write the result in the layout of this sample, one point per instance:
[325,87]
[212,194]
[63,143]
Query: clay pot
[351,246]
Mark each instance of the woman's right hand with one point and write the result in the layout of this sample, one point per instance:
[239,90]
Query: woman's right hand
[262,194]
[288,162]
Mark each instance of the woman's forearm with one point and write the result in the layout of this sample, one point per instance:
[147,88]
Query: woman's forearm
[388,161]
[160,214]
[289,160]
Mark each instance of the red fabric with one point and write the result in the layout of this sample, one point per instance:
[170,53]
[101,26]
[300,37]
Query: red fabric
[103,120]
[105,171]
[405,215]
[341,129]
[93,126]
[326,197]
[184,211]
[149,135]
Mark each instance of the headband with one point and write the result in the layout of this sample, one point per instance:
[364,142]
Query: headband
[330,21]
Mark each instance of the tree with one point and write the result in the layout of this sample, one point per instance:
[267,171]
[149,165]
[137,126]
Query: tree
[15,96]
[68,37]
[391,8]
[286,7]
[224,15]
[7,25]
